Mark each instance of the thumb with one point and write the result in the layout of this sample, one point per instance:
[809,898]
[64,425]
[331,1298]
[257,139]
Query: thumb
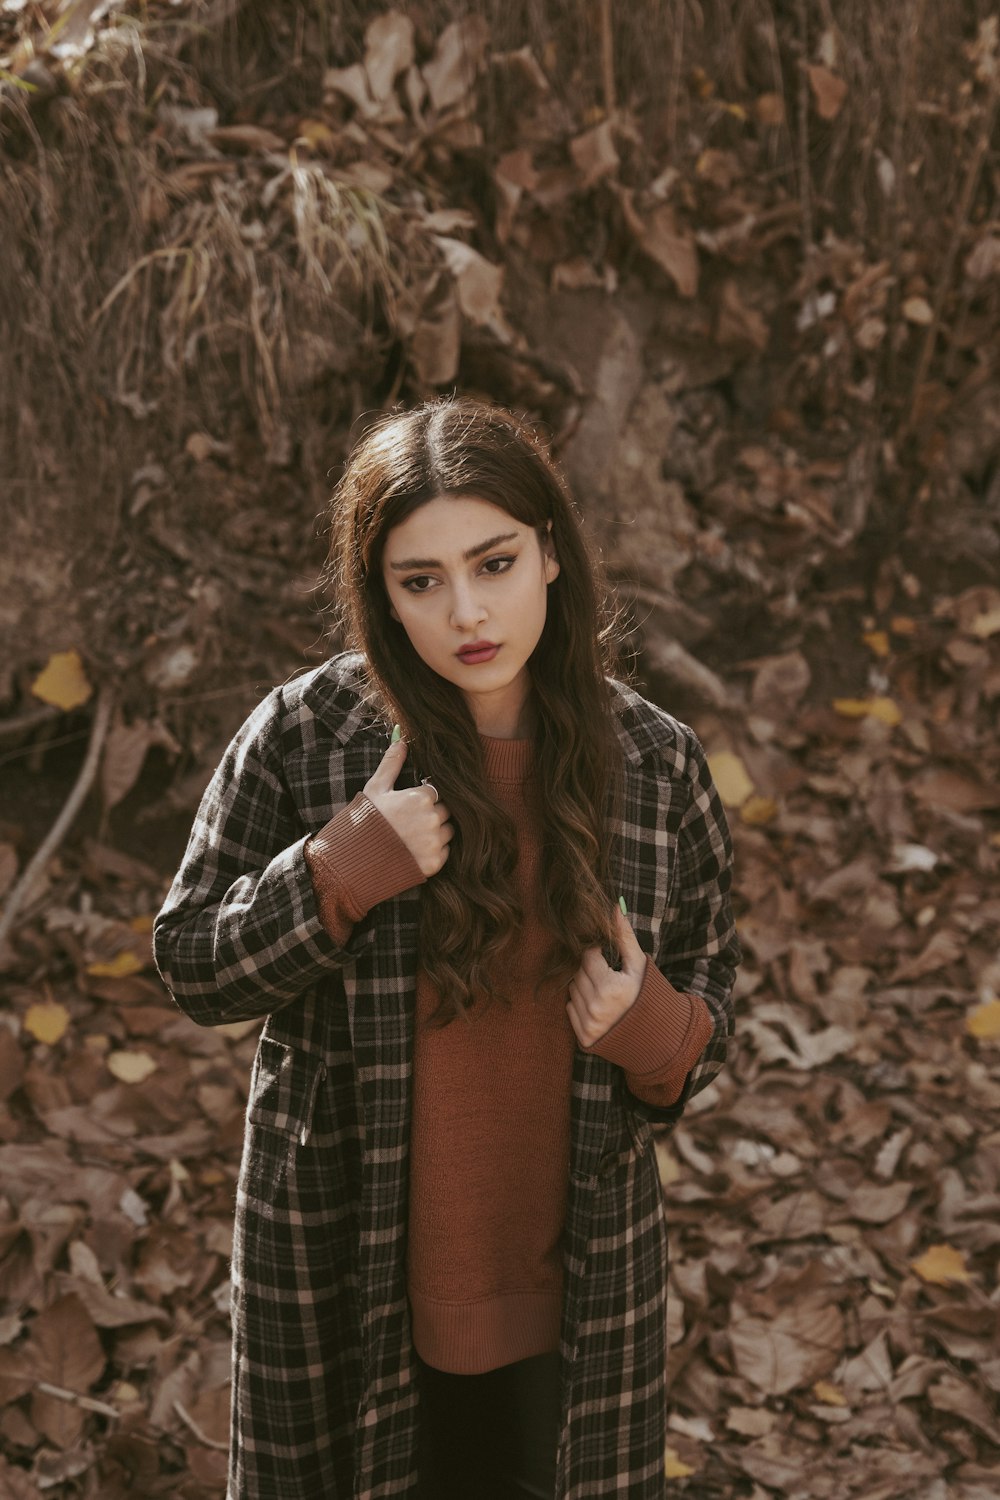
[633,958]
[384,777]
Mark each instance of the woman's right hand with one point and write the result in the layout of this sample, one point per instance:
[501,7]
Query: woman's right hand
[412,812]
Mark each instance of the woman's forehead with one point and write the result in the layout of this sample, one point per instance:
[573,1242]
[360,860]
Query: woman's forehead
[454,522]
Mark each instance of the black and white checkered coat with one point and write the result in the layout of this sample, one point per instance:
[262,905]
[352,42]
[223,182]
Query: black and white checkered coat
[326,1390]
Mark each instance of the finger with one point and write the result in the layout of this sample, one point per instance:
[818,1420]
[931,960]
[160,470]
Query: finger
[629,946]
[383,778]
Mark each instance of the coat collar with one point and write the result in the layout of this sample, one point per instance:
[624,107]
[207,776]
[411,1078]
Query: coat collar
[332,690]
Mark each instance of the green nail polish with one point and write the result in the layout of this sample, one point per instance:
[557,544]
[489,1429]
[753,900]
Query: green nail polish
[397,734]
[621,903]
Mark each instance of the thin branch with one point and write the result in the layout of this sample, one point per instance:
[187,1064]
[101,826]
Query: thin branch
[10,728]
[951,255]
[88,771]
[87,1402]
[608,59]
[805,183]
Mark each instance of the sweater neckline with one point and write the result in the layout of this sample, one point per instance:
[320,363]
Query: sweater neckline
[507,760]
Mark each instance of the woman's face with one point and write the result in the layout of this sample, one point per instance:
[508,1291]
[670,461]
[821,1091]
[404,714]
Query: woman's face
[458,571]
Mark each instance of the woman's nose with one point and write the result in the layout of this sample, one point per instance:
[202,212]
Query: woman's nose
[466,608]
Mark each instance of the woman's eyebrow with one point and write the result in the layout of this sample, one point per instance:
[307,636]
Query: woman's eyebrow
[432,562]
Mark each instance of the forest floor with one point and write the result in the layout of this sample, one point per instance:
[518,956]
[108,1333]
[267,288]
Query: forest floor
[787,445]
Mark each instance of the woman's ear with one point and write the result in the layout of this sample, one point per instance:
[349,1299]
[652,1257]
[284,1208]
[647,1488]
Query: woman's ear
[548,547]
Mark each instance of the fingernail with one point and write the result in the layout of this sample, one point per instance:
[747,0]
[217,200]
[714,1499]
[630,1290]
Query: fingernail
[621,903]
[397,734]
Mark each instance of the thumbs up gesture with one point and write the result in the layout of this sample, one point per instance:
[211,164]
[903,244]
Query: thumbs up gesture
[416,814]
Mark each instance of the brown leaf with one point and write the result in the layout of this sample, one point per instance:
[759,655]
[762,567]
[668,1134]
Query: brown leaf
[790,1350]
[671,248]
[65,1345]
[829,91]
[389,51]
[458,58]
[594,153]
[943,949]
[737,325]
[961,794]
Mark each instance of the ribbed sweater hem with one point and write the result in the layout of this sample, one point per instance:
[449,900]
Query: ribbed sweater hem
[469,1338]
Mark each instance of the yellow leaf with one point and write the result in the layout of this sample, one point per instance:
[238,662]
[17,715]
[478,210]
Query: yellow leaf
[877,642]
[674,1467]
[730,776]
[63,681]
[736,110]
[757,810]
[984,1021]
[941,1263]
[985,624]
[883,709]
[124,963]
[315,132]
[142,923]
[46,1021]
[830,1395]
[131,1067]
[903,625]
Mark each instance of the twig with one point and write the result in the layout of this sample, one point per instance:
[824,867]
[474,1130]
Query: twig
[26,721]
[607,58]
[676,63]
[87,1402]
[961,221]
[202,1436]
[805,184]
[24,887]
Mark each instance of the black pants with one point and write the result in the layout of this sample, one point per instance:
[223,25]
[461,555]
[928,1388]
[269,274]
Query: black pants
[492,1436]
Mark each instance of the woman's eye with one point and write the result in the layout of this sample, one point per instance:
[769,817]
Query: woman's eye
[411,584]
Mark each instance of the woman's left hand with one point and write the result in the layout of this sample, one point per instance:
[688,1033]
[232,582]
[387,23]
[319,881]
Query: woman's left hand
[600,995]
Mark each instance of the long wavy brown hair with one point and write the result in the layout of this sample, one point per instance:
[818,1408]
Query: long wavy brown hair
[470,911]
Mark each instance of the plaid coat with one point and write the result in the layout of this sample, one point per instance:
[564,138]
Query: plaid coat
[326,1389]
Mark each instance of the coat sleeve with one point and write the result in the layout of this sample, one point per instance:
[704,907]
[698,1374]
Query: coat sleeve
[699,949]
[239,934]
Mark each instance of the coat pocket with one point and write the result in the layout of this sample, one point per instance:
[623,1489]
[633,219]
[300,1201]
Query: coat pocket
[283,1088]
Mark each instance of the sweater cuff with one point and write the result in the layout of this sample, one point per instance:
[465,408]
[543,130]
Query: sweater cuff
[658,1027]
[359,860]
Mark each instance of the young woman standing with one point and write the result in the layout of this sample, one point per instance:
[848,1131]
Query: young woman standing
[480,889]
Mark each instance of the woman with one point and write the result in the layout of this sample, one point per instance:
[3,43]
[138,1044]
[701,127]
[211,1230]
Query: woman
[493,948]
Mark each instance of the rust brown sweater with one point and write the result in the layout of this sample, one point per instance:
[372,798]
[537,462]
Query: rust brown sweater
[489,1144]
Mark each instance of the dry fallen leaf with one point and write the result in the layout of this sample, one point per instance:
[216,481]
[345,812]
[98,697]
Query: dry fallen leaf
[941,1264]
[984,1021]
[731,778]
[883,709]
[829,91]
[47,1021]
[124,963]
[674,1467]
[131,1067]
[63,681]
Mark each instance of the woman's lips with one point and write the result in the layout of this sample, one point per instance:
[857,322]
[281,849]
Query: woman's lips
[471,657]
